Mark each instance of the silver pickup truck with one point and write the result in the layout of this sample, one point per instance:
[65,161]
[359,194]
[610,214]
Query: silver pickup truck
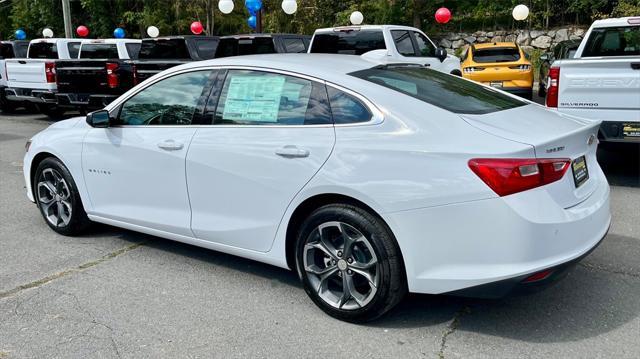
[33,80]
[602,81]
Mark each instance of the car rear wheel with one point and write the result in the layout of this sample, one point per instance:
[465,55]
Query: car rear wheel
[57,198]
[350,263]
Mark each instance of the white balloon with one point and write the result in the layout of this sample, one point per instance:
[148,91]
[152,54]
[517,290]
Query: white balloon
[47,32]
[289,7]
[520,12]
[225,6]
[153,31]
[356,18]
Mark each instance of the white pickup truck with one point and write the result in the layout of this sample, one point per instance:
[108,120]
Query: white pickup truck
[602,81]
[9,50]
[33,80]
[386,44]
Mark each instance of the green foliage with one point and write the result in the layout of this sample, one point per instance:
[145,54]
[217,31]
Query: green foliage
[174,16]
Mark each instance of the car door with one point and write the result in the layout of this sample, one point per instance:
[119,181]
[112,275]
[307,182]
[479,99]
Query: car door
[416,48]
[271,132]
[134,170]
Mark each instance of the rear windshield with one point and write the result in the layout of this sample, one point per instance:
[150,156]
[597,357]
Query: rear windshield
[172,49]
[43,50]
[133,49]
[613,41]
[441,90]
[206,48]
[348,42]
[496,54]
[99,51]
[20,49]
[254,46]
[6,51]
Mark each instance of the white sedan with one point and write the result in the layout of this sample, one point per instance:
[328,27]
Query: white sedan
[369,180]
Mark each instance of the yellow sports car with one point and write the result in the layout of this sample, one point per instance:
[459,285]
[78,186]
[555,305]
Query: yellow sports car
[502,65]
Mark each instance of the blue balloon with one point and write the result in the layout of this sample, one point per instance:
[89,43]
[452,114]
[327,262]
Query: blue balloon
[20,34]
[253,6]
[252,21]
[119,33]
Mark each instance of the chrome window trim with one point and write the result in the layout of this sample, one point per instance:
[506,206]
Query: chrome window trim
[376,118]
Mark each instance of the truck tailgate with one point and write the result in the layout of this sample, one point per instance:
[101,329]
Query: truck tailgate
[601,88]
[26,71]
[81,76]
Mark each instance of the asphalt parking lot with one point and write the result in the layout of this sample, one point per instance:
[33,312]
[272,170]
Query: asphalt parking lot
[116,293]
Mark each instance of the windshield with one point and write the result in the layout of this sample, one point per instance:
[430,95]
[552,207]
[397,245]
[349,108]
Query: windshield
[99,51]
[351,42]
[43,50]
[496,54]
[254,46]
[441,90]
[613,41]
[173,49]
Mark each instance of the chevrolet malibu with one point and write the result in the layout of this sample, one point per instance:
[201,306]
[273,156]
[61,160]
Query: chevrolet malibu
[369,180]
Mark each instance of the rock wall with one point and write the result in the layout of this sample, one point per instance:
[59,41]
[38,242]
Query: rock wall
[539,39]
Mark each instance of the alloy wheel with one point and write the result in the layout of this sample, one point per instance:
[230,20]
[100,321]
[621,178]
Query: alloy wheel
[54,197]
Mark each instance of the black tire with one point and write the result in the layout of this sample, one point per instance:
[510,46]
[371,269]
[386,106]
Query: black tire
[78,221]
[7,106]
[390,273]
[52,111]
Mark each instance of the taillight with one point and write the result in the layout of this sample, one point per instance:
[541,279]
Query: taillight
[521,67]
[513,175]
[554,86]
[50,71]
[113,80]
[470,70]
[134,71]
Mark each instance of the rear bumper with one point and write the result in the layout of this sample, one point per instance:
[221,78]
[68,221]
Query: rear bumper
[30,95]
[620,131]
[90,101]
[460,246]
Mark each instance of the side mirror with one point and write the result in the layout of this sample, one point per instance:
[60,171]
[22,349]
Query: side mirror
[544,57]
[441,54]
[99,119]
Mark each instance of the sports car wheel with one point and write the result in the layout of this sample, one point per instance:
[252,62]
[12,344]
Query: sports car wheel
[349,263]
[58,199]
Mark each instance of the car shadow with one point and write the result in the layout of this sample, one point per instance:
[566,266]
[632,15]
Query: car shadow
[586,304]
[620,163]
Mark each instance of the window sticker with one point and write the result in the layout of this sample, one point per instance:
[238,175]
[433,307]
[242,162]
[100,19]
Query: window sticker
[254,98]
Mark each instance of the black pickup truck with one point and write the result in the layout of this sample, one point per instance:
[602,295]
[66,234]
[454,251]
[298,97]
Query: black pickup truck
[99,75]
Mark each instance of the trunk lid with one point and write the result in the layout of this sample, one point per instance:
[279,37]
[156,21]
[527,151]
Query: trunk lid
[552,135]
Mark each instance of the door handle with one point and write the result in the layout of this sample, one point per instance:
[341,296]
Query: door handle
[635,65]
[170,145]
[292,152]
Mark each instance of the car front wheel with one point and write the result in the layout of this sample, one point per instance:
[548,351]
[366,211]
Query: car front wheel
[350,263]
[58,199]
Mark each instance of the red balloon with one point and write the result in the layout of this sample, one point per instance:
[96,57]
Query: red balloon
[443,15]
[82,31]
[196,27]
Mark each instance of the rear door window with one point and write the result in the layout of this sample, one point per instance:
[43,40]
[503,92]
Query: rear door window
[441,90]
[294,45]
[74,49]
[43,50]
[245,46]
[613,41]
[99,51]
[133,49]
[348,42]
[264,98]
[164,49]
[206,48]
[496,54]
[403,42]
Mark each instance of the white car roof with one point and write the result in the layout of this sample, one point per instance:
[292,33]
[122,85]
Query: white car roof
[53,40]
[366,27]
[620,21]
[327,67]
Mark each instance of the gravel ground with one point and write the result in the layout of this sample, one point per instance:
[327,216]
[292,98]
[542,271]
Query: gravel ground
[116,293]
